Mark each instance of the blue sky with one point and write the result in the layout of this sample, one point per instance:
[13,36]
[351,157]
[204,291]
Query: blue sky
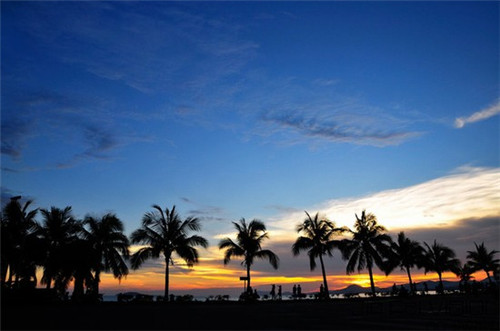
[238,109]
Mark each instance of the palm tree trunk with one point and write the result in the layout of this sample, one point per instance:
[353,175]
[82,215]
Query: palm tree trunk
[325,283]
[409,278]
[441,283]
[371,279]
[78,288]
[96,282]
[167,261]
[248,277]
[488,275]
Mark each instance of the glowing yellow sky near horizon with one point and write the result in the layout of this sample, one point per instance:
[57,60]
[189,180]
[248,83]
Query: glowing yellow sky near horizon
[466,193]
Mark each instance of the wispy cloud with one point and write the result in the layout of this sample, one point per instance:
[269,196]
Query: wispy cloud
[478,116]
[84,123]
[338,128]
[468,193]
[15,133]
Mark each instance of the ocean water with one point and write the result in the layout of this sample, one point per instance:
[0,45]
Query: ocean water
[114,298]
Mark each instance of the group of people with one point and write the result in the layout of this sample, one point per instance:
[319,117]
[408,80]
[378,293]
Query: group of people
[273,294]
[296,292]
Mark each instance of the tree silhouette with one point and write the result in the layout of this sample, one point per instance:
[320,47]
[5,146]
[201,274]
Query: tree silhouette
[440,258]
[406,254]
[20,246]
[58,230]
[464,272]
[481,259]
[367,247]
[106,238]
[318,240]
[165,233]
[248,245]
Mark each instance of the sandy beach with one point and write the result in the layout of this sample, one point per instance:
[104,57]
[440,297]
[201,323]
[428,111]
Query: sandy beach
[452,312]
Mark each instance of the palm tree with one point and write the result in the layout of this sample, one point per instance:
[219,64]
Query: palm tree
[440,258]
[106,237]
[58,230]
[406,254]
[248,245]
[317,240]
[20,245]
[164,232]
[481,259]
[464,272]
[368,246]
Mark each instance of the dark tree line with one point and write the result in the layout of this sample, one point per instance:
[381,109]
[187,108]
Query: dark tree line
[370,246]
[69,250]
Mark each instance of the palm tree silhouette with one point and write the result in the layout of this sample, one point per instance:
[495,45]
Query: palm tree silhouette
[405,253]
[165,233]
[20,247]
[248,245]
[58,230]
[464,272]
[440,258]
[317,240]
[106,237]
[368,246]
[481,259]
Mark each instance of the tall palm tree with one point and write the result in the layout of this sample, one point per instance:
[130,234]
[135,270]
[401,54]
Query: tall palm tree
[367,247]
[248,245]
[481,259]
[111,246]
[440,258]
[165,233]
[406,254]
[19,241]
[318,239]
[58,230]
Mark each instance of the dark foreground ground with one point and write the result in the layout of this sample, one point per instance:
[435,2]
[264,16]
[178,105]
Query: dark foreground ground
[452,312]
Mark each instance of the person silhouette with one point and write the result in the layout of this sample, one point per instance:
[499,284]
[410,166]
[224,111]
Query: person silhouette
[294,290]
[279,292]
[273,292]
[299,291]
[321,291]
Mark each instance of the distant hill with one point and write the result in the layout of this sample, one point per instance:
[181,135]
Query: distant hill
[431,285]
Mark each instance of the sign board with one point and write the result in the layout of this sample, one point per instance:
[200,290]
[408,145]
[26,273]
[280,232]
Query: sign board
[243,278]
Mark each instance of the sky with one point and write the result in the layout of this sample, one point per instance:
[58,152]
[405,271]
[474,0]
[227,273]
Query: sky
[257,110]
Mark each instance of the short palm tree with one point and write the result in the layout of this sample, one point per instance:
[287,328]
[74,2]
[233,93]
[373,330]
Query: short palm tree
[367,247]
[111,246]
[318,239]
[58,230]
[19,242]
[440,258]
[464,272]
[248,245]
[406,254]
[165,233]
[481,259]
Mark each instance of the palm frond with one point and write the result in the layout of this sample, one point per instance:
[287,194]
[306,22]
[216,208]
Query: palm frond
[270,256]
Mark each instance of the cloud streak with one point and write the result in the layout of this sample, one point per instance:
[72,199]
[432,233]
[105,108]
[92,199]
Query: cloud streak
[481,115]
[467,193]
[336,129]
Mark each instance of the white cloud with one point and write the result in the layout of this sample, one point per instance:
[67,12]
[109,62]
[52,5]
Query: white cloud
[467,193]
[478,116]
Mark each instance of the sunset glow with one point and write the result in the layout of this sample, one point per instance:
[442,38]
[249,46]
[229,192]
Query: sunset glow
[259,110]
